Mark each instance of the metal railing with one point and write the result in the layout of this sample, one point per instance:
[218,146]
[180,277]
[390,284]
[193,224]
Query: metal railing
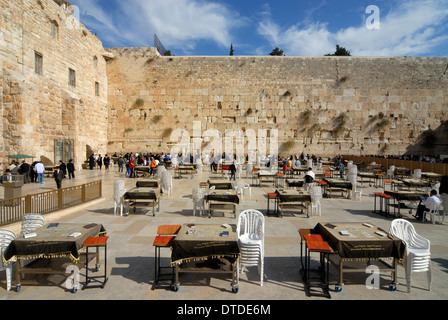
[12,210]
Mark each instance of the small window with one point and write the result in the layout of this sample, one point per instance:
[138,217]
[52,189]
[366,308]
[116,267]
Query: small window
[54,29]
[38,62]
[95,61]
[97,89]
[72,77]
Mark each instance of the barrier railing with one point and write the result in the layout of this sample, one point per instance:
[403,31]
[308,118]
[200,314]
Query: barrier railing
[12,210]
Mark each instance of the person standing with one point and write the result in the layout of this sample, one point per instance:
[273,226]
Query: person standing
[131,168]
[39,168]
[71,169]
[106,162]
[91,162]
[58,175]
[233,171]
[120,164]
[25,171]
[99,162]
[63,168]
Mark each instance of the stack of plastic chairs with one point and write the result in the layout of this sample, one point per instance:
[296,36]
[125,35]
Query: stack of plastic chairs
[198,200]
[352,177]
[316,196]
[250,232]
[119,191]
[418,255]
[32,222]
[167,182]
[160,170]
[6,236]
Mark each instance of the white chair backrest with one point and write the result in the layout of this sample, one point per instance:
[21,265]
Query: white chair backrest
[160,170]
[417,174]
[251,222]
[316,193]
[119,190]
[6,236]
[198,195]
[405,231]
[167,179]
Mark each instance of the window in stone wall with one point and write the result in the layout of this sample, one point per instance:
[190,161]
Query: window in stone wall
[95,61]
[38,62]
[97,89]
[72,77]
[54,29]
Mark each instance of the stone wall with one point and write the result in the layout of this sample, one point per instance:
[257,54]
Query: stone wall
[37,108]
[320,105]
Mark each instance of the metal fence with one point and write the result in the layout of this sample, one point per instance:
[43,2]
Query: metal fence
[12,210]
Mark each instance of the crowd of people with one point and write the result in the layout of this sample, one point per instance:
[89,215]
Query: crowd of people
[35,172]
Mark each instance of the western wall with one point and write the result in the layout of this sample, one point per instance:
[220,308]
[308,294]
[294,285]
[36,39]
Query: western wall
[320,105]
[133,99]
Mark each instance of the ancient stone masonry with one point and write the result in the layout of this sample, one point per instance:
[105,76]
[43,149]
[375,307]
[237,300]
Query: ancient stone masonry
[58,84]
[320,105]
[39,42]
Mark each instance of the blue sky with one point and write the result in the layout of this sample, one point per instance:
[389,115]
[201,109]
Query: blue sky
[254,27]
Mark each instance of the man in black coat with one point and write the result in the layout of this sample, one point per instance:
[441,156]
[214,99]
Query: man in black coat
[57,176]
[63,168]
[71,169]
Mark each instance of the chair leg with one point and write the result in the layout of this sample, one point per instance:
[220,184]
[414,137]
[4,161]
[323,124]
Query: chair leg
[8,277]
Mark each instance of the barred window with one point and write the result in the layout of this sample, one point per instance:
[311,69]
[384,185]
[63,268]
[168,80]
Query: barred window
[72,77]
[97,89]
[38,62]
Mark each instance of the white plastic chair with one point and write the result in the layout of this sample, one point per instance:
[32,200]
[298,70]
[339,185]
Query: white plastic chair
[32,222]
[417,174]
[241,186]
[316,196]
[250,232]
[355,190]
[167,182]
[6,236]
[434,210]
[418,255]
[198,201]
[119,191]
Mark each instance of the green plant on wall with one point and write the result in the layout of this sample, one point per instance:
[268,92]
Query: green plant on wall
[339,124]
[157,119]
[138,103]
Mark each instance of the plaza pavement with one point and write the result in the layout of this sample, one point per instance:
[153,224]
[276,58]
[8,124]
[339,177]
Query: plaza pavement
[131,254]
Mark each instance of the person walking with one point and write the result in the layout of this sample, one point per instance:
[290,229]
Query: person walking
[39,168]
[71,169]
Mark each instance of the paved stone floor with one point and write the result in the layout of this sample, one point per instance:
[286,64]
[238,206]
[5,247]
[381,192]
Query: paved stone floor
[131,254]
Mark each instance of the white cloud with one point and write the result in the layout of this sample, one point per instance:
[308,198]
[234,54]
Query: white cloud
[179,24]
[411,28]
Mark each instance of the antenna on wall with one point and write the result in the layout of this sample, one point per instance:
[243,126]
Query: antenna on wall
[158,44]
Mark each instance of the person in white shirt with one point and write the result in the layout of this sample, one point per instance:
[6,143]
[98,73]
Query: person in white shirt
[426,204]
[39,168]
[310,176]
